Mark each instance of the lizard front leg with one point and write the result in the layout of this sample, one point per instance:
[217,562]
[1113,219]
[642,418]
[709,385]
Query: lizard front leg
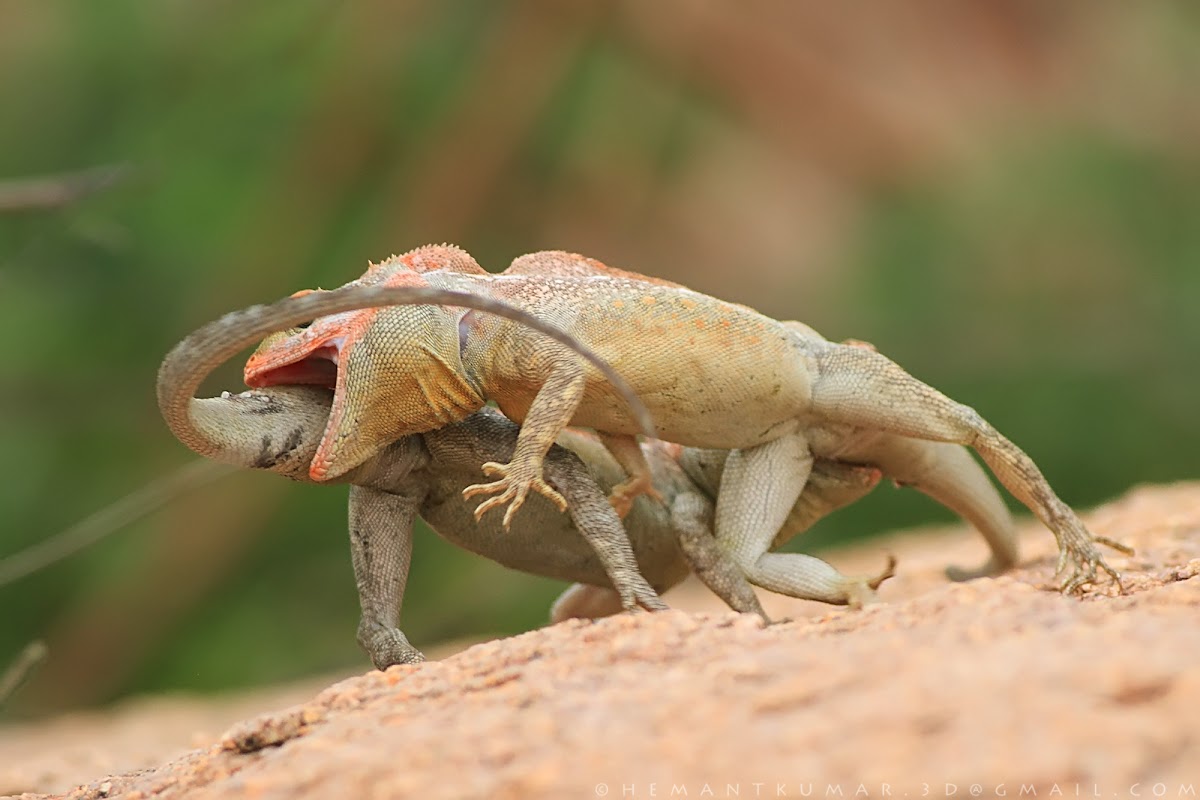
[691,521]
[381,526]
[598,523]
[548,415]
[691,517]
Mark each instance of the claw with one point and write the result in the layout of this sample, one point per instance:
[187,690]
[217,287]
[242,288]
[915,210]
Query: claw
[513,487]
[860,592]
[1116,576]
[624,493]
[1085,573]
[1082,568]
[1079,560]
[1123,549]
[888,572]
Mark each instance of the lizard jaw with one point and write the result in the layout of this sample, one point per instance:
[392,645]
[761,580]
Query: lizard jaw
[318,368]
[314,356]
[302,363]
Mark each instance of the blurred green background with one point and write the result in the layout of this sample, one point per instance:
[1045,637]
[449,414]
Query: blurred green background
[1004,197]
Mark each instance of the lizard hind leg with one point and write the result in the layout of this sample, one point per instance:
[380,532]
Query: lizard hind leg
[628,453]
[691,517]
[948,474]
[809,578]
[584,601]
[861,388]
[759,490]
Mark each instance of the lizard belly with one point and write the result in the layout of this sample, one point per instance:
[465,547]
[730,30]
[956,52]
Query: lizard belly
[543,541]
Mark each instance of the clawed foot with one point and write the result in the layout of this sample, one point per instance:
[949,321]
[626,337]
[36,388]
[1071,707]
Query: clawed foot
[624,493]
[637,593]
[386,645]
[862,591]
[888,572]
[1079,560]
[514,485]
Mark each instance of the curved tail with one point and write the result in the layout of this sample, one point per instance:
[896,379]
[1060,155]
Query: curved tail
[194,358]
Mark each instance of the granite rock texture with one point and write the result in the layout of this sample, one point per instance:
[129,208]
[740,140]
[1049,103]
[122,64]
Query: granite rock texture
[996,686]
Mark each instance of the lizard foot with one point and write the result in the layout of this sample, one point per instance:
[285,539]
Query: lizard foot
[514,485]
[1079,560]
[888,572]
[624,493]
[637,593]
[386,646]
[861,591]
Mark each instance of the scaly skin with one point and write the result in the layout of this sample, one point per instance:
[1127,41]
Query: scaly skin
[713,374]
[267,435]
[280,430]
[420,306]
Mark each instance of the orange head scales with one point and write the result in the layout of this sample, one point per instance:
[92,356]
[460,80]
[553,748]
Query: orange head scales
[395,370]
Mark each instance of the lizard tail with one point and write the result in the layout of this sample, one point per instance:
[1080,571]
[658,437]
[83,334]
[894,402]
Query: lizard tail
[194,358]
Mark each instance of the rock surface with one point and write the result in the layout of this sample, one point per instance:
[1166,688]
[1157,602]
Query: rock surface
[999,686]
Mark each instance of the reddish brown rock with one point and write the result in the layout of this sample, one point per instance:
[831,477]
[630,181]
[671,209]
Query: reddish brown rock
[998,684]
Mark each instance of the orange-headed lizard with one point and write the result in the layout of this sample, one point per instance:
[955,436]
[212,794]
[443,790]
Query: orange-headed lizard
[279,429]
[713,375]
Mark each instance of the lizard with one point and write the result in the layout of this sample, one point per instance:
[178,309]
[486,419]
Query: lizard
[381,570]
[714,375]
[279,430]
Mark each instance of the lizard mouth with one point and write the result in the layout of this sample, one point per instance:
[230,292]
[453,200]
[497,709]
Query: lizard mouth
[318,368]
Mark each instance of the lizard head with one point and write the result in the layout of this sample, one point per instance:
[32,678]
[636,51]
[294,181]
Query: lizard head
[394,371]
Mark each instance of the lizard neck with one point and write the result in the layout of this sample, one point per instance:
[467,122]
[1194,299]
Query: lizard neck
[402,374]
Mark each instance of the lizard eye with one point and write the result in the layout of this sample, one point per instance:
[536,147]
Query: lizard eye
[304,325]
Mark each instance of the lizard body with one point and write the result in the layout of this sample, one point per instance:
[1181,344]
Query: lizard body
[713,374]
[280,430]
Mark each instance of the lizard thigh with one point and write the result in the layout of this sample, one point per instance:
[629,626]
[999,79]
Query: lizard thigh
[759,487]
